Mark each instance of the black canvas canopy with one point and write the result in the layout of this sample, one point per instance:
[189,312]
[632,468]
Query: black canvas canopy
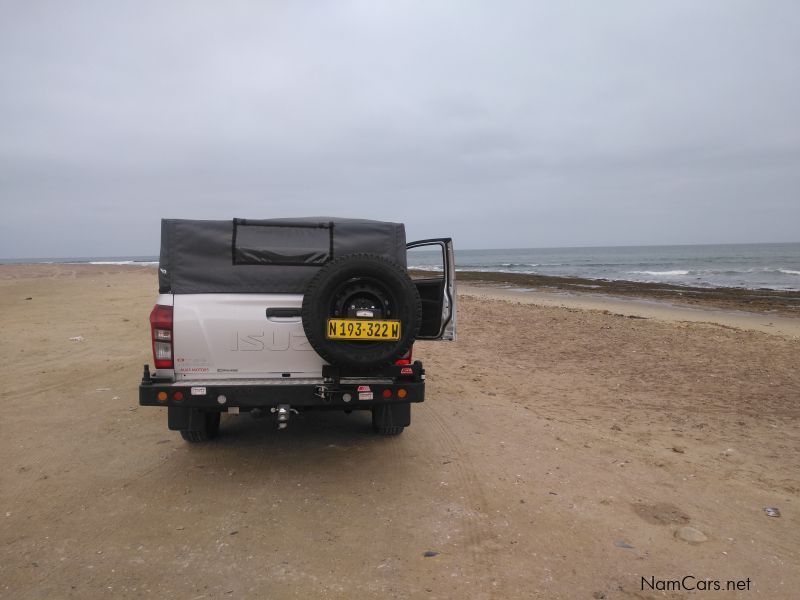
[265,256]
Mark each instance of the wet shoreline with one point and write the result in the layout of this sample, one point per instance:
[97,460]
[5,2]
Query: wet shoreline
[784,302]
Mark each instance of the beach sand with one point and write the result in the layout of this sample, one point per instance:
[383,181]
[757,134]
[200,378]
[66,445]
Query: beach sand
[560,453]
[644,308]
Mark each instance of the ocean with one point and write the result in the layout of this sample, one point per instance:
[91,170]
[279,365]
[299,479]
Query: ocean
[751,266]
[83,260]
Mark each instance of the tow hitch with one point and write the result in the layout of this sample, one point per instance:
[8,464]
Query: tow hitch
[282,413]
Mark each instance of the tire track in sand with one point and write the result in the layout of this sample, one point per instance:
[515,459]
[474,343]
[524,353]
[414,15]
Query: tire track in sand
[477,524]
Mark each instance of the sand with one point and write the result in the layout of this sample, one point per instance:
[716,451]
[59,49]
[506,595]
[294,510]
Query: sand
[562,452]
[644,308]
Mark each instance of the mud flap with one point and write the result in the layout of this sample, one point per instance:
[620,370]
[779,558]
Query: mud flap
[184,419]
[391,415]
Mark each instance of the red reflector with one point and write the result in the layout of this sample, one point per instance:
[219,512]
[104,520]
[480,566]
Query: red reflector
[406,371]
[387,393]
[177,396]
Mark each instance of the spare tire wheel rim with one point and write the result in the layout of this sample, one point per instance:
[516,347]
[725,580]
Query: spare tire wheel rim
[363,299]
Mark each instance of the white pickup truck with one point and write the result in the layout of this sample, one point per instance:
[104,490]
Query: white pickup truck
[278,316]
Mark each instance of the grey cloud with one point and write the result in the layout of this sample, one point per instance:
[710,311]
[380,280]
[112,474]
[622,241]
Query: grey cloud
[502,124]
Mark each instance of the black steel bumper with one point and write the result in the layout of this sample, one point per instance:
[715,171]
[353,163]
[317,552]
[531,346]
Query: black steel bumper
[394,385]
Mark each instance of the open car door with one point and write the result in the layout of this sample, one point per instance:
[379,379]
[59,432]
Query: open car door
[435,278]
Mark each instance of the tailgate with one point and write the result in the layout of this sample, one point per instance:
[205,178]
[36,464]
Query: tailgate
[244,336]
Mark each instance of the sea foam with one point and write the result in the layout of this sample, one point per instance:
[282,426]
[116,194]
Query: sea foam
[660,273]
[124,262]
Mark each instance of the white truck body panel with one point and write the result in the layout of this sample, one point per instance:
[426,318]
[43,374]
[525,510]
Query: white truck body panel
[230,337]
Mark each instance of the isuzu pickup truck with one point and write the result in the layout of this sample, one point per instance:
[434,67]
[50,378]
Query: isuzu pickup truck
[278,316]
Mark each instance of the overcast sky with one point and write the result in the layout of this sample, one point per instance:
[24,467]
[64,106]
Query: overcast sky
[502,124]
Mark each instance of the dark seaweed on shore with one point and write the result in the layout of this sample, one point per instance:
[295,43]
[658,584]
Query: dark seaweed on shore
[761,300]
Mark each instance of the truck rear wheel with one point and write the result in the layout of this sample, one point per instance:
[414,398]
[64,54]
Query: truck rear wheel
[204,428]
[363,287]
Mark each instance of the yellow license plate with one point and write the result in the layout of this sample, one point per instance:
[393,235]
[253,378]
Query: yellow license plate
[362,329]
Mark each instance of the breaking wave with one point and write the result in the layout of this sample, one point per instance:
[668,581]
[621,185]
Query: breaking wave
[124,262]
[675,273]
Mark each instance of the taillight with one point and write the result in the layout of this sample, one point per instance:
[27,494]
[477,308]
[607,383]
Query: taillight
[161,328]
[406,358]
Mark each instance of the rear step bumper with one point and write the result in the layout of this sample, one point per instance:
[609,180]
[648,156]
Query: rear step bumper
[334,391]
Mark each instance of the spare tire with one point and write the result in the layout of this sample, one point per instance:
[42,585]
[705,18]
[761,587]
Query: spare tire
[365,287]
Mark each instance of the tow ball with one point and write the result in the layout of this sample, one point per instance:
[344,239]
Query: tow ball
[282,413]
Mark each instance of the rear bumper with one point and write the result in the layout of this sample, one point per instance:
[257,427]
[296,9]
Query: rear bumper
[346,393]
